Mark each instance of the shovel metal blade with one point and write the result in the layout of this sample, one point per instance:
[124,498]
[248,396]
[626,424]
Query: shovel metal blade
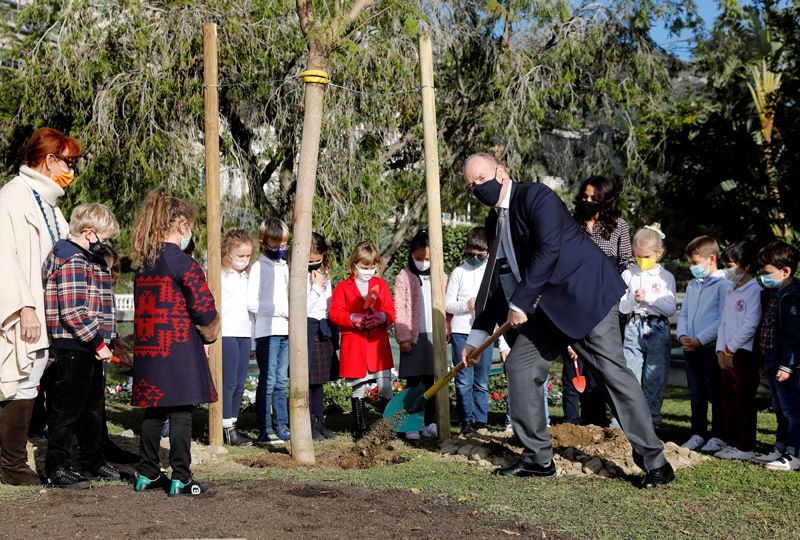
[406,411]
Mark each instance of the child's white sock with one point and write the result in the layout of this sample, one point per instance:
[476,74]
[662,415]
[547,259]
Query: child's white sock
[228,422]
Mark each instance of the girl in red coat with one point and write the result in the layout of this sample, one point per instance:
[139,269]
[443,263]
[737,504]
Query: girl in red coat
[362,308]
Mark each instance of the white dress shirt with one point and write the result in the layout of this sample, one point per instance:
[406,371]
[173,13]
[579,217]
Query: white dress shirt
[659,296]
[464,283]
[268,297]
[319,299]
[236,319]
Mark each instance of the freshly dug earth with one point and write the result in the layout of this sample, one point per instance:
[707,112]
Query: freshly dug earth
[378,447]
[578,450]
[253,509]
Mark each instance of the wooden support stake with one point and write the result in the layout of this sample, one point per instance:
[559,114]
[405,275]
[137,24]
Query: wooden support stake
[214,221]
[434,231]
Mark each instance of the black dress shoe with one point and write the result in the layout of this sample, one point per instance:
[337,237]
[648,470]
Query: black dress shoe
[521,469]
[657,477]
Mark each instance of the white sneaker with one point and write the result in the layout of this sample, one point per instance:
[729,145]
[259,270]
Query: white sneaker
[767,458]
[713,445]
[784,463]
[430,431]
[412,436]
[735,453]
[694,442]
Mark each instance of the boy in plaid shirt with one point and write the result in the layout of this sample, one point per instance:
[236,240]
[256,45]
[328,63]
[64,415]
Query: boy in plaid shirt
[79,309]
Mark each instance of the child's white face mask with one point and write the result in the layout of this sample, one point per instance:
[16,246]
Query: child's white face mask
[364,274]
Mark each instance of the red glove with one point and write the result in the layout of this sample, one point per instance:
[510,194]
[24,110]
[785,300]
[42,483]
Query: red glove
[374,319]
[358,320]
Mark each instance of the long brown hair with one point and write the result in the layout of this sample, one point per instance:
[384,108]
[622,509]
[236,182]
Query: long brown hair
[159,213]
[320,247]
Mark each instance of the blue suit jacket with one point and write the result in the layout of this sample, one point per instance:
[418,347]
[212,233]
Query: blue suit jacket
[563,271]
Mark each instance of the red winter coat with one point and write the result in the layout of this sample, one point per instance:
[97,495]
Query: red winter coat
[362,350]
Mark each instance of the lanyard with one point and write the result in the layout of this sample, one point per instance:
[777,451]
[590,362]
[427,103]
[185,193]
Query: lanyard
[53,237]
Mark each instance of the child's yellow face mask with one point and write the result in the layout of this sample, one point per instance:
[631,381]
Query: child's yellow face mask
[646,263]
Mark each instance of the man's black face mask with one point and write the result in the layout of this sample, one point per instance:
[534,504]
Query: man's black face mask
[488,193]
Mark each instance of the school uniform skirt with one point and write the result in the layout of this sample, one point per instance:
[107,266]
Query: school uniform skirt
[323,364]
[418,362]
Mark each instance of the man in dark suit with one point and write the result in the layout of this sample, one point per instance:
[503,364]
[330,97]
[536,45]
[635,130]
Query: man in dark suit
[556,288]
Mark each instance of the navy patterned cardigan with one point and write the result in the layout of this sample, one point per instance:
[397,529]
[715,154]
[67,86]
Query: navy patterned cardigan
[170,365]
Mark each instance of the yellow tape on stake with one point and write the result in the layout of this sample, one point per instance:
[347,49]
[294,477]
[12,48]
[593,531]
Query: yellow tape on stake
[314,76]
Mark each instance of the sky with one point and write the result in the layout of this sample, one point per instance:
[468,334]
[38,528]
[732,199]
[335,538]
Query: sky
[680,45]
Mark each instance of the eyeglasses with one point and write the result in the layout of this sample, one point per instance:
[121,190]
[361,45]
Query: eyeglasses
[72,162]
[480,256]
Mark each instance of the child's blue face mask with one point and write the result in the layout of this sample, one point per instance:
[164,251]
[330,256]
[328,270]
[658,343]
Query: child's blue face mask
[699,271]
[769,282]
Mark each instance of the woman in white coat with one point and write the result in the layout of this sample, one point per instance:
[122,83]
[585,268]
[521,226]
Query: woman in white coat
[30,223]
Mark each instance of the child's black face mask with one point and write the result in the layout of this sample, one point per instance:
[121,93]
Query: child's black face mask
[98,247]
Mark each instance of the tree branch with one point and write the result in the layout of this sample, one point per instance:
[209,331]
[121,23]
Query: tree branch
[405,227]
[358,7]
[305,11]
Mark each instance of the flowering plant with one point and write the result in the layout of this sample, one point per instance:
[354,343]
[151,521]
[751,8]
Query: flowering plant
[249,395]
[120,392]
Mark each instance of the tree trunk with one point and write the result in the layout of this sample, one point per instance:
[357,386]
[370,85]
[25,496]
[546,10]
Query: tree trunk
[302,445]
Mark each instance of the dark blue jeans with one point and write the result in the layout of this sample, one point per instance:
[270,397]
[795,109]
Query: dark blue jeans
[703,378]
[786,402]
[272,355]
[472,384]
[235,361]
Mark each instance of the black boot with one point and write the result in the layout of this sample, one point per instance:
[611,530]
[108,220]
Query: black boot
[316,434]
[324,431]
[15,418]
[359,418]
[232,437]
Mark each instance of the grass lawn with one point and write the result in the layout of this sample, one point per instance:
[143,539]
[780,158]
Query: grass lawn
[716,499]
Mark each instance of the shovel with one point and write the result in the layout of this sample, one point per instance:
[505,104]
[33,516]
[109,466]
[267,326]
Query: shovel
[406,411]
[579,381]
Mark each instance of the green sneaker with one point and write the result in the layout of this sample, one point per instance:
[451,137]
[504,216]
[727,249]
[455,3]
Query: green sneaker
[144,483]
[192,488]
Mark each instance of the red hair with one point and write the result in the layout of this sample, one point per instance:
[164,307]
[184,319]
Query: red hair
[46,141]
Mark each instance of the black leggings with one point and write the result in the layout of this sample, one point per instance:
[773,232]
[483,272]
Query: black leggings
[180,441]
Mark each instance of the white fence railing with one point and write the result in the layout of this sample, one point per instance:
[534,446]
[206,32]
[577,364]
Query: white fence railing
[125,307]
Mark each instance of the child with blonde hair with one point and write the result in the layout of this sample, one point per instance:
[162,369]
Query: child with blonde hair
[362,308]
[650,301]
[79,308]
[175,317]
[237,330]
[268,300]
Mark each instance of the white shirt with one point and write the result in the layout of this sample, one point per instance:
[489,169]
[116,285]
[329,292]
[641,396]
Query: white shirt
[319,299]
[268,297]
[465,281]
[425,306]
[236,320]
[659,296]
[740,317]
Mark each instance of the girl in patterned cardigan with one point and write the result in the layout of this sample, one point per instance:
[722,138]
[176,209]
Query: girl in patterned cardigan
[175,317]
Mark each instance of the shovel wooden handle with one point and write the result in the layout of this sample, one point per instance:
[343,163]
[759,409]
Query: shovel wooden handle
[438,385]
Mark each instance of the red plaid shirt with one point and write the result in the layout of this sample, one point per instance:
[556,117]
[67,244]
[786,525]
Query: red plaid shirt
[78,299]
[768,323]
